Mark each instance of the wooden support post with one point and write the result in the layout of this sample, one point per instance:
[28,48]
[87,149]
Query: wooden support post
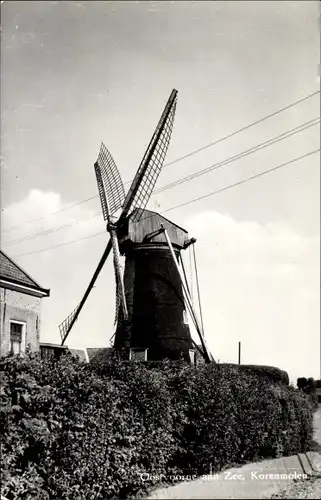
[208,356]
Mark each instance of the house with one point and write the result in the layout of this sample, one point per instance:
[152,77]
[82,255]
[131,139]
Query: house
[55,350]
[20,308]
[97,355]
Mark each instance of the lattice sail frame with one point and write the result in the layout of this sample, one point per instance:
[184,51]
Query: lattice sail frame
[64,326]
[152,162]
[119,280]
[112,193]
[110,186]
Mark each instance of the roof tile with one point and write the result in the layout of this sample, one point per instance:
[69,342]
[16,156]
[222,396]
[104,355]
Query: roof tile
[11,271]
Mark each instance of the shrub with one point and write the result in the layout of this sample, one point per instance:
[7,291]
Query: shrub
[270,372]
[309,387]
[76,431]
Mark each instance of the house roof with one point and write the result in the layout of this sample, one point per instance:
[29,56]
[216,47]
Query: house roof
[10,271]
[89,355]
[99,354]
[80,353]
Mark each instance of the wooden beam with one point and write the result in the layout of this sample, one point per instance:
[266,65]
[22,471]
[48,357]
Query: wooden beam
[207,355]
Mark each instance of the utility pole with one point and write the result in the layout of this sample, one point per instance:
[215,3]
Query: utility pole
[239,353]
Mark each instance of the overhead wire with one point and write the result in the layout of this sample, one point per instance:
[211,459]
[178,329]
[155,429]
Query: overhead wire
[51,230]
[220,164]
[62,244]
[260,174]
[228,136]
[254,149]
[48,215]
[246,127]
[194,200]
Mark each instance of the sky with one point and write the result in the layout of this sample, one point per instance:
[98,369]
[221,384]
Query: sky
[74,74]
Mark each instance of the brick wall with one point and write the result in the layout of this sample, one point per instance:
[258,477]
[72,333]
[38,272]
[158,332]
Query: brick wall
[17,306]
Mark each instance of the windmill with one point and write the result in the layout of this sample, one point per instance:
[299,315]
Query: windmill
[151,294]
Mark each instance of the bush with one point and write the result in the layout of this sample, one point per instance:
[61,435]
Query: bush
[76,431]
[309,387]
[270,372]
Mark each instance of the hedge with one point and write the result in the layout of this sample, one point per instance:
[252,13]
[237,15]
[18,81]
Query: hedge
[271,372]
[75,431]
[309,387]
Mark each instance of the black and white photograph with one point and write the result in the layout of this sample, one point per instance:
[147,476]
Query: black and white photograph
[160,249]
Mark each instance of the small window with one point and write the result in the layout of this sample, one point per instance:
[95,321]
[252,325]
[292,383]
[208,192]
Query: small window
[16,337]
[192,356]
[138,355]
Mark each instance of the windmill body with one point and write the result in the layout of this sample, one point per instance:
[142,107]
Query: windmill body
[151,295]
[153,289]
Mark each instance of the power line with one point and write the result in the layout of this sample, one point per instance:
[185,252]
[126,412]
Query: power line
[61,245]
[232,134]
[243,181]
[194,200]
[48,215]
[252,150]
[246,127]
[52,230]
[247,152]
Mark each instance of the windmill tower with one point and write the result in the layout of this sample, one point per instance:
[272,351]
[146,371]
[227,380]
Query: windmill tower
[151,294]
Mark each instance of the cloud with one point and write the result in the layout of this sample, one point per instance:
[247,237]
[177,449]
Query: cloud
[46,208]
[65,269]
[259,285]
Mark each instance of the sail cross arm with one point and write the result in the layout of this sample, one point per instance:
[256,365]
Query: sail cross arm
[68,323]
[152,162]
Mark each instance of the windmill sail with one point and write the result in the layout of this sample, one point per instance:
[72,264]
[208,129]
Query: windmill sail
[112,197]
[63,327]
[152,162]
[120,290]
[111,192]
[68,323]
[118,298]
[110,186]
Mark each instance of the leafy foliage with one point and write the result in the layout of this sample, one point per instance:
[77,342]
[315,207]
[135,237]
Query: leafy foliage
[309,387]
[76,431]
[271,372]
